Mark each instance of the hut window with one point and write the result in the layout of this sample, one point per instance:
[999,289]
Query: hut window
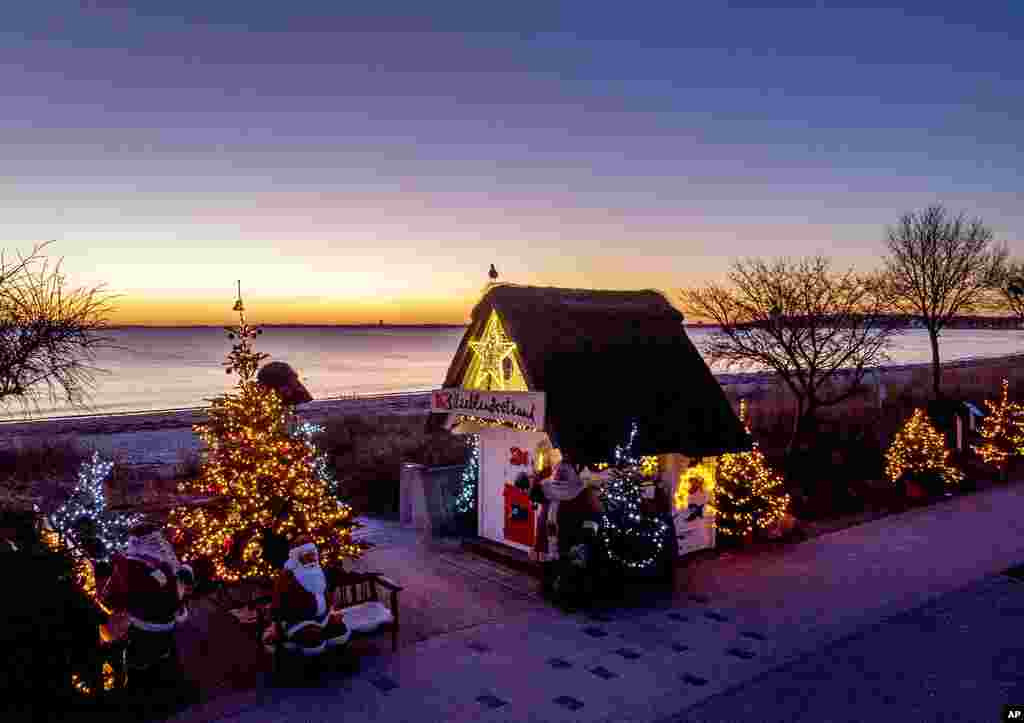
[506,368]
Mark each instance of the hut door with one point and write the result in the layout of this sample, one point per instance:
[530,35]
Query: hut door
[505,512]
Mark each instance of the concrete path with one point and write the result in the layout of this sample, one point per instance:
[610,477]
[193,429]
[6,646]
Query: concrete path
[959,657]
[734,619]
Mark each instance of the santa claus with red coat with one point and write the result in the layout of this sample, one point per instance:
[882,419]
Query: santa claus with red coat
[304,621]
[147,593]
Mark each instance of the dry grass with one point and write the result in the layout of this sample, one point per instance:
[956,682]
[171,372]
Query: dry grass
[367,453]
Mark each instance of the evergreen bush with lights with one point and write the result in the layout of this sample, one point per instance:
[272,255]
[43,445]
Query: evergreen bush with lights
[272,482]
[918,453]
[50,633]
[1002,431]
[632,541]
[749,497]
[469,481]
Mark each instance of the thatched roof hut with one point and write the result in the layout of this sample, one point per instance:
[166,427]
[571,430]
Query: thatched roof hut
[607,359]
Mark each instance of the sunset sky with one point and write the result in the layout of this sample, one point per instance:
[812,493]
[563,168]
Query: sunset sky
[356,165]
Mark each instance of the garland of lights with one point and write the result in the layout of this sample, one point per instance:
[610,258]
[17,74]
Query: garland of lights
[1003,431]
[84,518]
[918,448]
[264,465]
[631,540]
[465,501]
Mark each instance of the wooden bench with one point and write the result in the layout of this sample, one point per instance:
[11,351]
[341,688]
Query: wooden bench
[359,596]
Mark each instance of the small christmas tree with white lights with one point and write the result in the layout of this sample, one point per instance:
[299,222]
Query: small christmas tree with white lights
[1002,431]
[465,501]
[749,496]
[632,540]
[273,482]
[84,523]
[918,453]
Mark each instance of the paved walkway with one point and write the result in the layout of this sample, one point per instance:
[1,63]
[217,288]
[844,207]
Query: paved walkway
[734,618]
[957,658]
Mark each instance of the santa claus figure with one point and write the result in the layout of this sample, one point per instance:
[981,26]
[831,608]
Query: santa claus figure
[565,526]
[147,593]
[304,621]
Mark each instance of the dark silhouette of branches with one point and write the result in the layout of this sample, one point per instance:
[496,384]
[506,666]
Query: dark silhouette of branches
[801,320]
[49,333]
[1010,296]
[940,266]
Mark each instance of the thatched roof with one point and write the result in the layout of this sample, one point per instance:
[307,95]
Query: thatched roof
[606,359]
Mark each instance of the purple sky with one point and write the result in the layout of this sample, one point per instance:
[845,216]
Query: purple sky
[350,168]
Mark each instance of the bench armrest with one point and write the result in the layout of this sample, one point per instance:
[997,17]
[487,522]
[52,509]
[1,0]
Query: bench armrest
[387,583]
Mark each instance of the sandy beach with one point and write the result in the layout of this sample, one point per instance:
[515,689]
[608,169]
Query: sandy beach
[163,438]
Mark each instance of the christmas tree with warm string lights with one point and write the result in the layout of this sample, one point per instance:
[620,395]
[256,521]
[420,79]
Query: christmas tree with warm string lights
[749,497]
[1003,432]
[271,480]
[918,453]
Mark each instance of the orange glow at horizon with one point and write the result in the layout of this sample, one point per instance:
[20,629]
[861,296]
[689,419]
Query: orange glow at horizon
[131,310]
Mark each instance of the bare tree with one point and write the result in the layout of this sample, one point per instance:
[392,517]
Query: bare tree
[1010,295]
[49,333]
[940,266]
[801,320]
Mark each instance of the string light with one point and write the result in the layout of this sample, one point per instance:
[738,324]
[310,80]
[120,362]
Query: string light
[748,495]
[263,463]
[1003,431]
[84,524]
[918,448]
[702,473]
[631,539]
[491,350]
[465,501]
[82,688]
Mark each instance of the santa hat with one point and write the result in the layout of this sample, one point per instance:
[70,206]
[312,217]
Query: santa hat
[301,545]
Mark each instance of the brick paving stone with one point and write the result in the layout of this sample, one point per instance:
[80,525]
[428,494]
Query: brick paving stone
[383,683]
[602,672]
[741,653]
[567,701]
[491,701]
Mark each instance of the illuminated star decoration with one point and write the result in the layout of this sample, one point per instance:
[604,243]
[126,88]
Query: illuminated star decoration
[492,350]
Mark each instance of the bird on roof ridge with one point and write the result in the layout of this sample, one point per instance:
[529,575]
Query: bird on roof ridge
[493,273]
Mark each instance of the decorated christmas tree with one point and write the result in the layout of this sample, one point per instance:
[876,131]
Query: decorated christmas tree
[270,481]
[465,501]
[918,453]
[633,540]
[749,496]
[84,524]
[1003,431]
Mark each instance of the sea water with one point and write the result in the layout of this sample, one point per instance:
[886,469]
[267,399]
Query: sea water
[173,368]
